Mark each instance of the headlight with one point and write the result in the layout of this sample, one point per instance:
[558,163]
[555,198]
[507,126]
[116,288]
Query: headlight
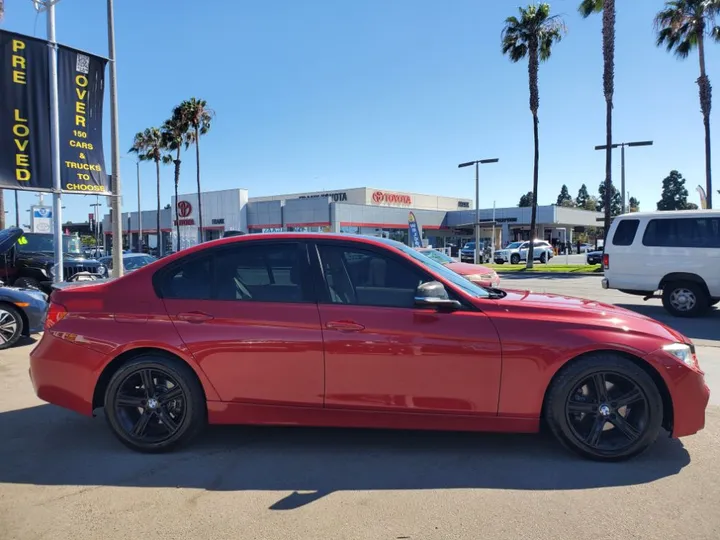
[682,352]
[101,270]
[479,277]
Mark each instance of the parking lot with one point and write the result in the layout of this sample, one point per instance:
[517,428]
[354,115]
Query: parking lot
[65,476]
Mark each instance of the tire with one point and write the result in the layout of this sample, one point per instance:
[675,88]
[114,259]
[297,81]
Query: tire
[543,258]
[27,283]
[685,299]
[11,326]
[166,423]
[582,424]
[499,262]
[514,258]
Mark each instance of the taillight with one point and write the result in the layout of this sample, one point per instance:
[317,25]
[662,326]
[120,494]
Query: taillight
[56,313]
[606,261]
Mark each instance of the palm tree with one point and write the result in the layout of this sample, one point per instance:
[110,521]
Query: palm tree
[532,35]
[682,26]
[199,117]
[148,145]
[588,7]
[175,134]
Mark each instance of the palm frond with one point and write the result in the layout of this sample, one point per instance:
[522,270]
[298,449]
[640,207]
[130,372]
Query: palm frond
[588,7]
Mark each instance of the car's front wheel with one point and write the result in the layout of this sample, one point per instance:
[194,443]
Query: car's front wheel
[154,403]
[27,283]
[11,326]
[604,407]
[543,258]
[515,259]
[685,299]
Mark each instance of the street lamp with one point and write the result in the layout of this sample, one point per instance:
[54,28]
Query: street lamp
[140,231]
[477,163]
[622,165]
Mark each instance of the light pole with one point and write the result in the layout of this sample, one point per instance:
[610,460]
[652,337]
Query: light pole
[96,215]
[477,164]
[622,166]
[140,229]
[115,147]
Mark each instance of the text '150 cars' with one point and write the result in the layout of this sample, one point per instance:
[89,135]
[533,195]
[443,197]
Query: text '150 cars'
[336,330]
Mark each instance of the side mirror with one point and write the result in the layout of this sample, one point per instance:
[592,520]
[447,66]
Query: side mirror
[433,294]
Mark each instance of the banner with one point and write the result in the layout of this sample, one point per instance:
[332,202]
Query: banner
[414,230]
[41,221]
[703,197]
[24,113]
[81,89]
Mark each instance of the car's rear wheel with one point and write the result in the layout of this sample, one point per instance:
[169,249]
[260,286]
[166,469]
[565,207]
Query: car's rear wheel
[543,258]
[154,404]
[515,259]
[685,299]
[604,407]
[11,326]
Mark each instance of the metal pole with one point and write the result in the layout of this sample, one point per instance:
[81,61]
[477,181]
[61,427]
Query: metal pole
[492,245]
[55,145]
[115,146]
[622,176]
[477,211]
[17,210]
[137,164]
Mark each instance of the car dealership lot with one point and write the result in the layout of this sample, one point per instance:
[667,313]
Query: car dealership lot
[65,476]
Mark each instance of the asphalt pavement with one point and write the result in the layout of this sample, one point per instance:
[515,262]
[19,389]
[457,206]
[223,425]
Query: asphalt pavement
[65,476]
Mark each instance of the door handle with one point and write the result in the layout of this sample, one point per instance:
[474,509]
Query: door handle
[194,317]
[344,326]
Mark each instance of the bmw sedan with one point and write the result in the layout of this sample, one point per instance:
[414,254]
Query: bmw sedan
[336,330]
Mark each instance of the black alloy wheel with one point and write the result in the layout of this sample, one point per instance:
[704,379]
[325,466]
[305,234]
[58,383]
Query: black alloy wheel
[11,326]
[154,403]
[604,407]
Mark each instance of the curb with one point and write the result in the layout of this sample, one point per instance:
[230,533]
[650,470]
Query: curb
[545,274]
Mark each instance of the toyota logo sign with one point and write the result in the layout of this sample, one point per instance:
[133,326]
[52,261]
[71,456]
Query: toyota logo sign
[184,209]
[379,197]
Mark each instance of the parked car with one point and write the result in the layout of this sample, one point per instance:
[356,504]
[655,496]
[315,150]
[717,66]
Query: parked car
[517,252]
[594,257]
[325,329]
[29,261]
[480,275]
[131,261]
[677,253]
[467,253]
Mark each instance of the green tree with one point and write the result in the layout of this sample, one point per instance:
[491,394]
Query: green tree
[149,146]
[592,203]
[526,200]
[199,117]
[175,134]
[674,194]
[682,26]
[587,7]
[533,36]
[582,197]
[564,198]
[634,204]
[615,200]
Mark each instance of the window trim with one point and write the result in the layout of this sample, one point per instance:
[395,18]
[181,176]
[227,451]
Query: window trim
[321,286]
[307,285]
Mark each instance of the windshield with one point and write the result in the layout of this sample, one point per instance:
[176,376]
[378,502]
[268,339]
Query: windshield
[44,243]
[466,285]
[515,245]
[438,256]
[133,263]
[469,245]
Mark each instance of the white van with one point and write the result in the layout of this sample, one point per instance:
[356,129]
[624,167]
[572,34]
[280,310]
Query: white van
[677,253]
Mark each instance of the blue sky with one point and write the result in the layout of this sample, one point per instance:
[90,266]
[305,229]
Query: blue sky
[321,94]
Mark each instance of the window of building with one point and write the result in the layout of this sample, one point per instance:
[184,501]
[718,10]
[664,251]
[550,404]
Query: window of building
[367,278]
[683,232]
[255,273]
[625,232]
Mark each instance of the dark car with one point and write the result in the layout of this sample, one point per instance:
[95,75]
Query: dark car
[29,262]
[467,253]
[595,257]
[22,311]
[131,261]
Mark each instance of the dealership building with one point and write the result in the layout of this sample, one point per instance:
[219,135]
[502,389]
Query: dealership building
[444,220]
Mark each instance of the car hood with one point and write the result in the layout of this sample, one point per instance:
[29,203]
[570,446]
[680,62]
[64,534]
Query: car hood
[467,269]
[18,294]
[579,310]
[8,237]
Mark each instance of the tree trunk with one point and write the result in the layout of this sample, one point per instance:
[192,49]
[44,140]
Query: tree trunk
[177,182]
[533,68]
[608,33]
[197,157]
[160,246]
[705,105]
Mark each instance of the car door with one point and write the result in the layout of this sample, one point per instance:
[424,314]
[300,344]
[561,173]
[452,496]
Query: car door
[248,315]
[382,353]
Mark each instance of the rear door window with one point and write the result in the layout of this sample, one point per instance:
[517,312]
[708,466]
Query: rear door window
[625,232]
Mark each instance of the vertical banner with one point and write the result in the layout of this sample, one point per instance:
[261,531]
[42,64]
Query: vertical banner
[81,89]
[703,197]
[415,232]
[24,113]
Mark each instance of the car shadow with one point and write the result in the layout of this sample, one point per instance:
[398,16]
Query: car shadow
[705,327]
[46,445]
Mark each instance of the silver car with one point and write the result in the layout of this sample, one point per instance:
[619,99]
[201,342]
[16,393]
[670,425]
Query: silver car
[518,251]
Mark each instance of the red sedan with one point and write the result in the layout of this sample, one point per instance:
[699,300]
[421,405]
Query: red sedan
[333,330]
[481,275]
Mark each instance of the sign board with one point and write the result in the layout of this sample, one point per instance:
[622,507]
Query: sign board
[41,219]
[415,232]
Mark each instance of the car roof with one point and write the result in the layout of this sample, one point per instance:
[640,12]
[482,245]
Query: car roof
[671,214]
